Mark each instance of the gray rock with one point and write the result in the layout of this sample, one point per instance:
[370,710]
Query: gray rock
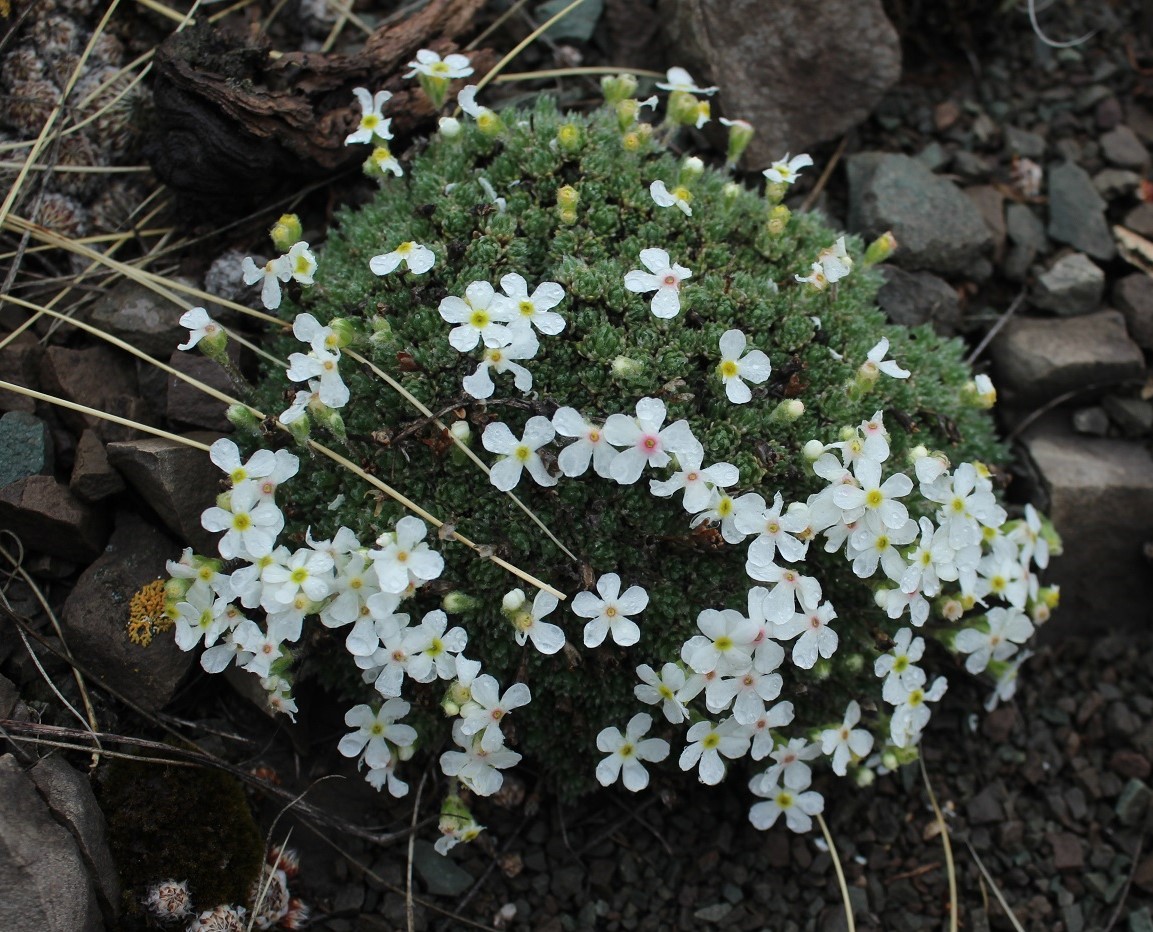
[177,481]
[42,873]
[190,405]
[715,913]
[96,612]
[934,156]
[915,298]
[1140,220]
[100,377]
[1133,296]
[141,317]
[1024,143]
[1099,493]
[93,478]
[937,228]
[25,447]
[442,876]
[764,58]
[20,365]
[1018,262]
[991,204]
[1092,421]
[970,166]
[1077,212]
[1141,920]
[1132,415]
[1038,359]
[49,519]
[1140,120]
[1072,285]
[69,795]
[1112,183]
[1024,227]
[1133,803]
[1122,148]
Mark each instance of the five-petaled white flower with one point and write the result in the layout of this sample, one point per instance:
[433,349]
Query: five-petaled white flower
[374,124]
[535,310]
[476,767]
[678,197]
[610,612]
[707,742]
[302,263]
[664,688]
[404,557]
[1008,627]
[678,79]
[627,751]
[698,483]
[418,258]
[799,808]
[251,524]
[321,365]
[511,346]
[786,170]
[429,63]
[735,368]
[590,445]
[375,730]
[518,454]
[846,743]
[643,440]
[480,315]
[200,325]
[545,636]
[271,274]
[661,277]
[487,708]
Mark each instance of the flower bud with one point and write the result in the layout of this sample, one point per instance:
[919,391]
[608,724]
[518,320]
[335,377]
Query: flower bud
[176,588]
[449,127]
[345,330]
[567,217]
[455,696]
[456,603]
[980,392]
[740,135]
[881,248]
[682,109]
[617,87]
[821,670]
[567,197]
[778,220]
[863,777]
[406,752]
[488,122]
[890,759]
[814,450]
[461,431]
[775,191]
[632,142]
[853,663]
[513,601]
[951,609]
[569,138]
[332,420]
[625,368]
[1050,595]
[691,169]
[300,429]
[787,411]
[286,232]
[627,112]
[435,87]
[730,192]
[242,418]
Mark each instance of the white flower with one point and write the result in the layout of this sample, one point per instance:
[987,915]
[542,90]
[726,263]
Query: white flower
[707,742]
[1006,685]
[816,278]
[774,532]
[225,454]
[663,278]
[382,160]
[320,337]
[644,441]
[786,170]
[200,326]
[835,261]
[762,726]
[790,765]
[546,637]
[929,562]
[203,616]
[485,711]
[323,366]
[734,368]
[816,637]
[442,646]
[590,445]
[748,692]
[874,501]
[418,258]
[477,768]
[627,751]
[404,557]
[677,79]
[898,668]
[355,583]
[1034,546]
[869,545]
[910,717]
[467,100]
[723,509]
[264,646]
[429,63]
[302,263]
[373,123]
[251,524]
[307,571]
[374,730]
[610,612]
[271,274]
[663,688]
[1008,627]
[799,808]
[698,483]
[846,743]
[300,405]
[791,587]
[535,311]
[479,317]
[520,454]
[725,643]
[514,345]
[875,362]
[678,197]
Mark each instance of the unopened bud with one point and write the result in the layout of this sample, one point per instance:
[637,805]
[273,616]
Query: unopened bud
[778,220]
[569,138]
[625,368]
[449,127]
[880,249]
[488,122]
[632,142]
[682,108]
[814,450]
[787,411]
[513,601]
[457,603]
[345,331]
[691,169]
[567,197]
[627,112]
[243,418]
[286,232]
[300,429]
[730,192]
[567,217]
[617,87]
[775,191]
[740,135]
[461,431]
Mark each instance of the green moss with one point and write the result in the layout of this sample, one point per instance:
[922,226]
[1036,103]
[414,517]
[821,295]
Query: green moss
[180,823]
[741,278]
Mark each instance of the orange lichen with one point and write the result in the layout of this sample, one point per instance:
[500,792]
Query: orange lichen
[148,614]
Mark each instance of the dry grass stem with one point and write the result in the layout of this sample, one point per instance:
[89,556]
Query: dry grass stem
[850,923]
[950,867]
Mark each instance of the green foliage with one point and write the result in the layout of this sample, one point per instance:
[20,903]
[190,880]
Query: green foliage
[742,277]
[179,823]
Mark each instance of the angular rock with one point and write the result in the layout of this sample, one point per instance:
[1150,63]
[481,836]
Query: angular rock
[1037,359]
[1099,495]
[782,68]
[1140,220]
[991,203]
[442,876]
[49,519]
[938,229]
[96,612]
[69,795]
[99,377]
[1133,415]
[1024,143]
[1077,212]
[141,317]
[1133,296]
[915,298]
[176,480]
[25,447]
[1133,803]
[189,404]
[1122,148]
[1024,227]
[42,873]
[20,365]
[1071,285]
[1112,183]
[1092,421]
[93,478]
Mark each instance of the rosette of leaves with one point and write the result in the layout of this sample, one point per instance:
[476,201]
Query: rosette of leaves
[743,278]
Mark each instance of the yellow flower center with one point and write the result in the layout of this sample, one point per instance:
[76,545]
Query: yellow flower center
[526,307]
[729,369]
[522,453]
[874,498]
[241,522]
[711,740]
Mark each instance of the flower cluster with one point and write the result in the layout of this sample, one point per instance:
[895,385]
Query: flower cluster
[678,424]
